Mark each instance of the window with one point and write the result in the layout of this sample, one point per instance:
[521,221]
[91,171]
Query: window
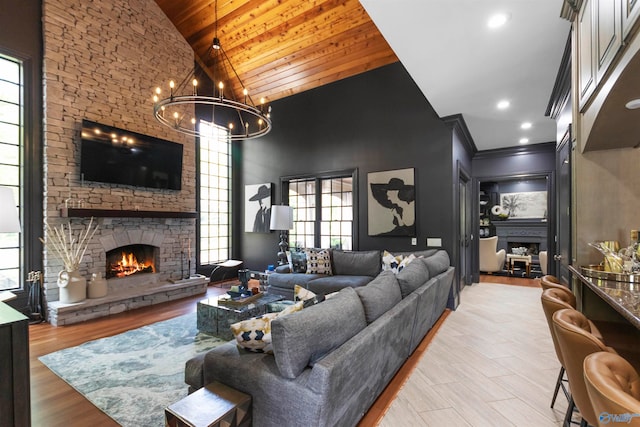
[323,211]
[11,155]
[215,190]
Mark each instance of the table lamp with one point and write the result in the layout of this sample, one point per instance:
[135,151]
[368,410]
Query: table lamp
[282,220]
[8,212]
[9,223]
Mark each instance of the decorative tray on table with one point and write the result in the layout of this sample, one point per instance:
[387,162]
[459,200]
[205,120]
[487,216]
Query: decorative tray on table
[596,271]
[238,301]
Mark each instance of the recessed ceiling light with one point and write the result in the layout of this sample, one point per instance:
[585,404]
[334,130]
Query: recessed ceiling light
[497,20]
[634,104]
[503,104]
[525,125]
[524,140]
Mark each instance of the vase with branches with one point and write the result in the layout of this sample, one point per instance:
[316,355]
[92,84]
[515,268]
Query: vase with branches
[70,247]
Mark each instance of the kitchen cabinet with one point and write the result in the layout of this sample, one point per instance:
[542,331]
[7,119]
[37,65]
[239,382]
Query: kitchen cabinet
[606,58]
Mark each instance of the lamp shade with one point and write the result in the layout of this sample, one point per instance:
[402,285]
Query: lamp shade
[8,213]
[281,217]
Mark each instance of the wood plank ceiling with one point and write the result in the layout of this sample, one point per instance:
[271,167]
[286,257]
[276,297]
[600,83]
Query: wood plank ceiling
[283,47]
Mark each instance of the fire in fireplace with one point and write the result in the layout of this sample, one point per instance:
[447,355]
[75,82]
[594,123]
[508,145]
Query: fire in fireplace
[131,259]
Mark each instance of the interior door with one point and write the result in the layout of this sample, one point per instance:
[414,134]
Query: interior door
[465,234]
[562,256]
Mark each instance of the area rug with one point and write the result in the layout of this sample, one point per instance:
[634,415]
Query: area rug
[133,376]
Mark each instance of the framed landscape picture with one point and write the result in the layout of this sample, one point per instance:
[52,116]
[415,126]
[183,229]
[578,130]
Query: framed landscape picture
[392,203]
[257,208]
[531,204]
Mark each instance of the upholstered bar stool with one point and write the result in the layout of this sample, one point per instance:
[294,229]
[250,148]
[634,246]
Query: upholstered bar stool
[554,299]
[549,281]
[613,386]
[576,342]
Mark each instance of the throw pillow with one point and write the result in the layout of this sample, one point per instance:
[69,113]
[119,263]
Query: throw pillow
[318,261]
[255,334]
[390,261]
[298,262]
[405,261]
[306,296]
[395,263]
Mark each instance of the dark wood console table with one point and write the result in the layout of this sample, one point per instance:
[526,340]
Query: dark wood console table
[15,404]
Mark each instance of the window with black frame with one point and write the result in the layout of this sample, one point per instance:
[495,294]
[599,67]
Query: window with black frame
[323,211]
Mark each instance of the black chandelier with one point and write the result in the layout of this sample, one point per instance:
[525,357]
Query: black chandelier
[241,117]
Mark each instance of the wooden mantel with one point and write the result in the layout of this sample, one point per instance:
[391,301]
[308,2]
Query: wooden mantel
[123,213]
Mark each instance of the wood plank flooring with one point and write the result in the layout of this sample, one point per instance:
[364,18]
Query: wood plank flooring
[491,364]
[488,360]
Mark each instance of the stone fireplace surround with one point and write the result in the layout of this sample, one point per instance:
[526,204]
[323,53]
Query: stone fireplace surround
[170,235]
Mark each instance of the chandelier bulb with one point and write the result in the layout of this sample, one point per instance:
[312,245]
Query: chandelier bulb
[155,98]
[158,90]
[176,115]
[231,126]
[172,84]
[193,120]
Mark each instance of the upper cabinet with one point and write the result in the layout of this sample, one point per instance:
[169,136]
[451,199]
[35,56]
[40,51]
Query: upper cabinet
[599,38]
[606,58]
[630,12]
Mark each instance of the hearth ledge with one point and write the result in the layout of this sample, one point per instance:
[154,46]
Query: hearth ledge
[118,301]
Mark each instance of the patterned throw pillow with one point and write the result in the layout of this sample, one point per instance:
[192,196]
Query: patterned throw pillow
[306,296]
[255,334]
[395,263]
[298,262]
[318,261]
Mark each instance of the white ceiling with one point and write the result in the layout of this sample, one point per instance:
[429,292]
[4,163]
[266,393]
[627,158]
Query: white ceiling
[464,67]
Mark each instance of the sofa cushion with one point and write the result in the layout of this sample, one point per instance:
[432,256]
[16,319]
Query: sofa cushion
[419,254]
[255,334]
[289,280]
[412,277]
[437,263]
[326,285]
[303,338]
[380,295]
[356,263]
[318,261]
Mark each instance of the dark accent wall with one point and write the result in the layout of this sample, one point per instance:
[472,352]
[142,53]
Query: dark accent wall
[375,121]
[21,37]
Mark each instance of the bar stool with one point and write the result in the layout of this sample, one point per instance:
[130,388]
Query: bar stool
[554,299]
[577,342]
[613,386]
[549,281]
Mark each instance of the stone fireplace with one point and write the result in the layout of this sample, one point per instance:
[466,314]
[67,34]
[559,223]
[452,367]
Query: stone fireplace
[516,234]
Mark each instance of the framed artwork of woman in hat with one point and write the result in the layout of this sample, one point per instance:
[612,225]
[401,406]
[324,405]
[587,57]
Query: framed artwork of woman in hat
[257,211]
[392,203]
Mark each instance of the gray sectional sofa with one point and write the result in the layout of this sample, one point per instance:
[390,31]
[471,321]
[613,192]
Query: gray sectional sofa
[332,360]
[349,268]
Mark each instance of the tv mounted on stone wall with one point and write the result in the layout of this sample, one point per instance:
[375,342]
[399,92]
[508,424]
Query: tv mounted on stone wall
[117,156]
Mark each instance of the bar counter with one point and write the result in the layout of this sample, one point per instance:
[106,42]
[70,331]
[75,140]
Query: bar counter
[619,295]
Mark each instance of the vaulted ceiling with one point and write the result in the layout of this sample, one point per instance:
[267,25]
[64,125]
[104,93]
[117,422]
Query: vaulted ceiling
[283,47]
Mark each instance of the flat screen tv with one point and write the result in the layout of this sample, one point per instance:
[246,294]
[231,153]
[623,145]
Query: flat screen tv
[117,156]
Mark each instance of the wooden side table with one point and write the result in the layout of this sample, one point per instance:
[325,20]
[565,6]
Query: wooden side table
[511,258]
[214,405]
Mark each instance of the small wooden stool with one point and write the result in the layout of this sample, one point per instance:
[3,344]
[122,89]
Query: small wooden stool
[214,405]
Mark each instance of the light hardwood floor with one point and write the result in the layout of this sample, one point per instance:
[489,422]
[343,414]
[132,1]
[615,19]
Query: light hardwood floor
[492,363]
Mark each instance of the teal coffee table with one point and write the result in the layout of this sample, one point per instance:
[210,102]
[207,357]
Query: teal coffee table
[215,318]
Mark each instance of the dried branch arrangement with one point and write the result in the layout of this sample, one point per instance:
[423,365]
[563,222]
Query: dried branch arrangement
[66,245]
